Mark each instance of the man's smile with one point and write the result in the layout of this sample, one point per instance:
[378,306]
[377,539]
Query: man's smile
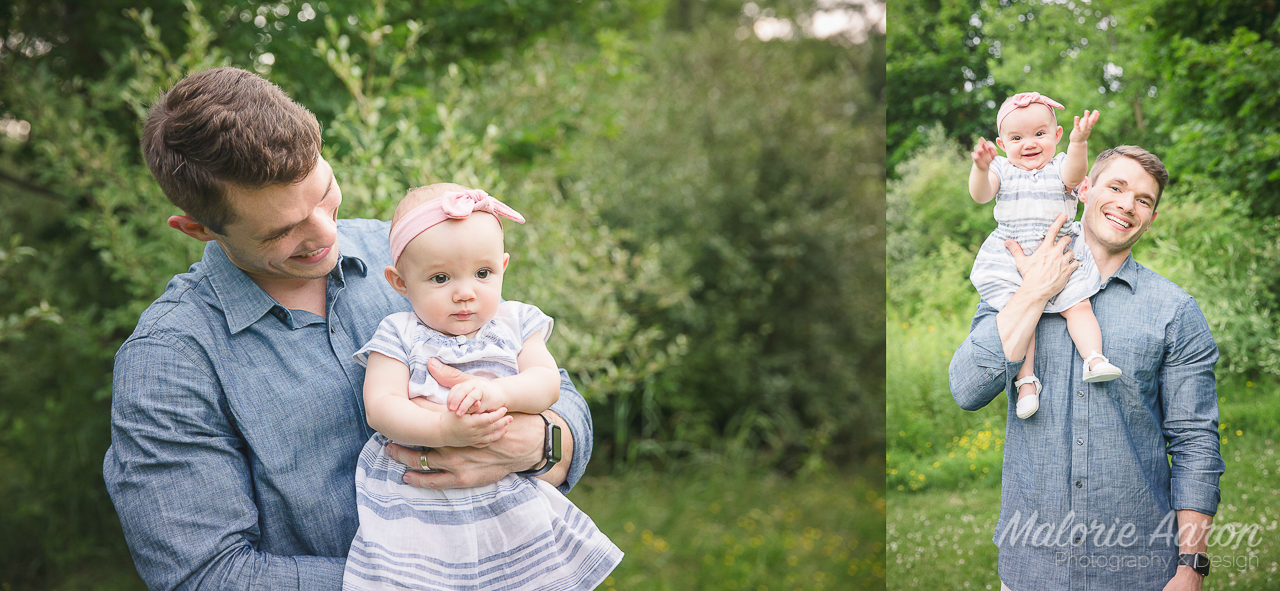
[1116,220]
[314,256]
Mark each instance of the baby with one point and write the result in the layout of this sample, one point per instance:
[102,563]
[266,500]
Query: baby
[448,260]
[1032,186]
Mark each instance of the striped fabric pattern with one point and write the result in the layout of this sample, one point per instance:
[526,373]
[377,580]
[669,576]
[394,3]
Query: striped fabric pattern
[1026,205]
[519,533]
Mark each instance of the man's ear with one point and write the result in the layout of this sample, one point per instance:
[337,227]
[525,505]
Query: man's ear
[506,257]
[190,227]
[1082,190]
[396,281]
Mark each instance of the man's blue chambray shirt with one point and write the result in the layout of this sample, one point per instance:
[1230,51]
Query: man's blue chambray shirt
[236,424]
[1088,491]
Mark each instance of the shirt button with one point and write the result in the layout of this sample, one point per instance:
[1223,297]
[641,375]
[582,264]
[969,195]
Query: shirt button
[1077,540]
[461,339]
[333,328]
[1079,442]
[1080,393]
[1079,484]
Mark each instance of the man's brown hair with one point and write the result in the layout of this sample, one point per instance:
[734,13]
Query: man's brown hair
[225,127]
[1148,161]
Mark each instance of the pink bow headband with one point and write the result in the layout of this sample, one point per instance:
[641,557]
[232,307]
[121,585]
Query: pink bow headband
[449,206]
[1024,99]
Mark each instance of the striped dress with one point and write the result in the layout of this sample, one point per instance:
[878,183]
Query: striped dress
[1026,205]
[519,533]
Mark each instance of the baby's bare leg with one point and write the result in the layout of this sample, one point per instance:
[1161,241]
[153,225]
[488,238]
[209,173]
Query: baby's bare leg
[1082,325]
[1028,369]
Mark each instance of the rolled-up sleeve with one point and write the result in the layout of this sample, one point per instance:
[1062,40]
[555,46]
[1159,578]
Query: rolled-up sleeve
[1189,399]
[572,407]
[180,481]
[979,370]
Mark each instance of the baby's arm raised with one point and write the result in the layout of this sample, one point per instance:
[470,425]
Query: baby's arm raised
[1077,164]
[983,182]
[393,414]
[532,391]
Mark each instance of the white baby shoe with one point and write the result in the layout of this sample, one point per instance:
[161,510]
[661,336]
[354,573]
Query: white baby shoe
[1102,372]
[1028,405]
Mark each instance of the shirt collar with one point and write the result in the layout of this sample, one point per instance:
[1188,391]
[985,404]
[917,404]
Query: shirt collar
[1127,273]
[244,303]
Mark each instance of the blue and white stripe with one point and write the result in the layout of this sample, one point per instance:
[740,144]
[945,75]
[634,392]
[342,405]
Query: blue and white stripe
[1026,205]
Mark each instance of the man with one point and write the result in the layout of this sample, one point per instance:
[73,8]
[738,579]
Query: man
[237,411]
[1089,499]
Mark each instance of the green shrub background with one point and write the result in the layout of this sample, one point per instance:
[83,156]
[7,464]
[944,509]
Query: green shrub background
[707,218]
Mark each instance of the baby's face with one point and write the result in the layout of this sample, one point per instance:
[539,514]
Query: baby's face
[452,274]
[1029,136]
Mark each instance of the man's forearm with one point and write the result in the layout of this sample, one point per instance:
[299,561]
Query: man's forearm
[1193,531]
[1017,321]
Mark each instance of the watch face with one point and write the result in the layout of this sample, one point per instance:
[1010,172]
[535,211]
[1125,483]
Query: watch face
[555,451]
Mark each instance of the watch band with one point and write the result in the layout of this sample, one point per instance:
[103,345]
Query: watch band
[550,449]
[1198,562]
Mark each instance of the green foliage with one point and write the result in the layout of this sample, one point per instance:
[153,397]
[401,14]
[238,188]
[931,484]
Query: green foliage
[1223,96]
[754,176]
[939,74]
[929,204]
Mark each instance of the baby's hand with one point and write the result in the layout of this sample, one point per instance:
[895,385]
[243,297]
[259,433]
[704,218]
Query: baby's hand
[474,396]
[473,430]
[1084,126]
[983,154]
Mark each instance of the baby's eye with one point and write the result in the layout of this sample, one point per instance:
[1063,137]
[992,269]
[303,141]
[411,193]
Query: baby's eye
[483,273]
[1016,138]
[439,278]
[1039,133]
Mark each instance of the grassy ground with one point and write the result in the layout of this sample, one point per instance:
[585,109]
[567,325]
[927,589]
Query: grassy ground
[943,474]
[709,526]
[716,527]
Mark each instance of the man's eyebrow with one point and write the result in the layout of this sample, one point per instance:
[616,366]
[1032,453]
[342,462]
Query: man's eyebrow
[272,235]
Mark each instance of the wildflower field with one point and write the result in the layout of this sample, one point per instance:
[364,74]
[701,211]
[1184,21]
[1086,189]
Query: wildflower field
[723,527]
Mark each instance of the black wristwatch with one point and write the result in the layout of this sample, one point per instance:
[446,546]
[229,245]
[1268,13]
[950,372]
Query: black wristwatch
[551,450]
[1198,562]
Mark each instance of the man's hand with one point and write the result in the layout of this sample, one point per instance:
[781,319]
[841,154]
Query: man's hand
[1083,126]
[465,467]
[1186,579]
[985,153]
[1048,269]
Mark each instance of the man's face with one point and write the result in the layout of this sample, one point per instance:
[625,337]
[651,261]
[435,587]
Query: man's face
[285,232]
[1120,208]
[1029,136]
[452,274]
